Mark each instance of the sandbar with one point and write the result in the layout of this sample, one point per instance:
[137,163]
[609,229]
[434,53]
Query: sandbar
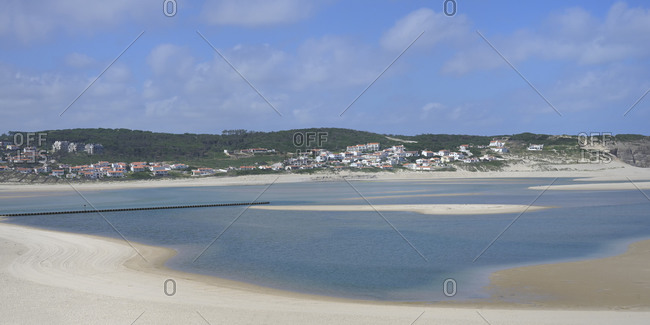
[436,209]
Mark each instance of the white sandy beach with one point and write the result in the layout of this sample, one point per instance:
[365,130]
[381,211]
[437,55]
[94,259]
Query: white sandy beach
[614,171]
[61,278]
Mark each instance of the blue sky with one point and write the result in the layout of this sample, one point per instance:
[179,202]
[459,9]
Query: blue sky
[311,59]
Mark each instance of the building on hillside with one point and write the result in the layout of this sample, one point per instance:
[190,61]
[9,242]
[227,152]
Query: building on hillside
[42,169]
[178,166]
[497,143]
[203,172]
[372,146]
[536,147]
[160,171]
[72,147]
[93,148]
[443,153]
[57,173]
[427,153]
[60,145]
[115,173]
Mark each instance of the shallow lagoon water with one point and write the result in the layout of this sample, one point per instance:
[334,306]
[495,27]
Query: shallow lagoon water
[357,254]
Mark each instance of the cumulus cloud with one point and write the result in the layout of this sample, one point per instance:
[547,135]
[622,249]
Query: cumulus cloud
[253,13]
[29,21]
[572,35]
[78,60]
[437,26]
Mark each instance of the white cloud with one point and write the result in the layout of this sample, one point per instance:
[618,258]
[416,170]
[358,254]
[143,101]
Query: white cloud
[430,109]
[28,21]
[334,63]
[572,35]
[437,26]
[253,13]
[78,60]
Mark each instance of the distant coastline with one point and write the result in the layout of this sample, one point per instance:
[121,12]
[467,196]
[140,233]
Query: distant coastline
[614,171]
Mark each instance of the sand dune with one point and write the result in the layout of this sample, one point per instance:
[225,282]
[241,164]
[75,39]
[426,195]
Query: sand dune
[445,209]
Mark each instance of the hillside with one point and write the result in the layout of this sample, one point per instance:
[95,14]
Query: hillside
[208,149]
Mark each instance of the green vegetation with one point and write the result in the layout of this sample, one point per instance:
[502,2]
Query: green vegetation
[141,175]
[200,150]
[437,142]
[495,165]
[630,137]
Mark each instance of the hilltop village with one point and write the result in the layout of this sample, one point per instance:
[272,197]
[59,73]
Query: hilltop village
[361,156]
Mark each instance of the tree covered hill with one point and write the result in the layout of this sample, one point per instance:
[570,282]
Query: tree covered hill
[201,149]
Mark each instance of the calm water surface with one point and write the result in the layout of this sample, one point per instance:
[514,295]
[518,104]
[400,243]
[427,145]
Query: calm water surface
[357,254]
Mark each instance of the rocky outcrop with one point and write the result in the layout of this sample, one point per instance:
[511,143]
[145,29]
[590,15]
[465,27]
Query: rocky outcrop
[635,153]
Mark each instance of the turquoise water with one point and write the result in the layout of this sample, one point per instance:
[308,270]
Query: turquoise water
[357,254]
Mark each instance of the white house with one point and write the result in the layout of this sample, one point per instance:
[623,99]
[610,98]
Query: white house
[60,145]
[399,148]
[57,173]
[373,146]
[202,172]
[159,171]
[536,147]
[115,173]
[72,147]
[443,153]
[457,155]
[497,143]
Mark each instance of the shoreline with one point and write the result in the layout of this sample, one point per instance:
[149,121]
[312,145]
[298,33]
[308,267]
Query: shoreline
[615,171]
[45,272]
[106,273]
[500,284]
